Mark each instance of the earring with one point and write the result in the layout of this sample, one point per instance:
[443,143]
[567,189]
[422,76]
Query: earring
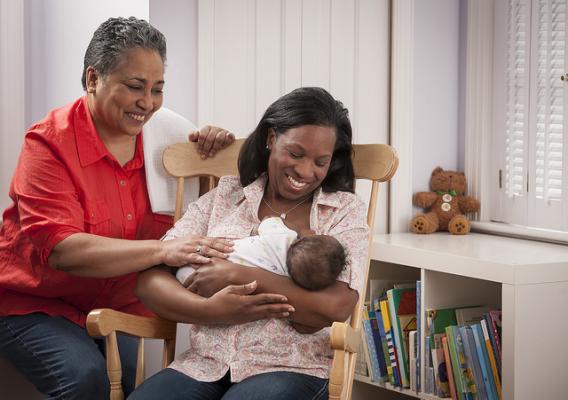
[267,147]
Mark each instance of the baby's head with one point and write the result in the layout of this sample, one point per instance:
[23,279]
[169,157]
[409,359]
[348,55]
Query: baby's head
[314,262]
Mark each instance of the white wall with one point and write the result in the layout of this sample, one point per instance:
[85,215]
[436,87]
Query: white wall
[12,92]
[177,20]
[436,88]
[55,36]
[252,52]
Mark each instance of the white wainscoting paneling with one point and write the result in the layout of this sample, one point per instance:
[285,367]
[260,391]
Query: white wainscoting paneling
[252,52]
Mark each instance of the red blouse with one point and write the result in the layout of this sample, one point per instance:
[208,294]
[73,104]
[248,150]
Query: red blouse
[66,182]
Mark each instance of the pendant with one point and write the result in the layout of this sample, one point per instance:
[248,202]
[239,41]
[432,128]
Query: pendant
[283,216]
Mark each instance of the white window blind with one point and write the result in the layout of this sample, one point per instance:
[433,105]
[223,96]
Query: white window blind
[518,52]
[550,99]
[532,159]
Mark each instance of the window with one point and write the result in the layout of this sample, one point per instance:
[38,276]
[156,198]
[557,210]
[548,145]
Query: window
[530,154]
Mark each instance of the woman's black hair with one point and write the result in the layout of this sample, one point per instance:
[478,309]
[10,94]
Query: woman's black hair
[303,106]
[114,37]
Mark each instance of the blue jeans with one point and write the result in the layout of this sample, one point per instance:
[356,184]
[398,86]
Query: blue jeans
[173,385]
[61,359]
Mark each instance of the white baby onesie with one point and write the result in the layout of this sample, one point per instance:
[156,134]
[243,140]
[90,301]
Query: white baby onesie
[267,250]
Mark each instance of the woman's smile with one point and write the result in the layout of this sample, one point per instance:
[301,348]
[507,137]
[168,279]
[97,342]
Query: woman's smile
[296,184]
[136,116]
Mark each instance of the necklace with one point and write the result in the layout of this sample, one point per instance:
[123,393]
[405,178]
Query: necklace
[284,213]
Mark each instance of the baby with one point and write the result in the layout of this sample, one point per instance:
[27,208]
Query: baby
[313,261]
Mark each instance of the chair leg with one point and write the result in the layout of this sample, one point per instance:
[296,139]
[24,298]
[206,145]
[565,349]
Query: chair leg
[140,373]
[336,375]
[114,368]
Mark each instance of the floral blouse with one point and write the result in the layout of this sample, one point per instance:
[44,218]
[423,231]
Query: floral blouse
[270,344]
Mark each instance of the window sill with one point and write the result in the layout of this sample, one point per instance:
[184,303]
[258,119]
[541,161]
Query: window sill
[503,229]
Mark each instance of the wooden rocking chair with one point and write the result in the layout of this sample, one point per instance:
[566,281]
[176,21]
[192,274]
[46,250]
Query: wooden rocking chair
[375,162]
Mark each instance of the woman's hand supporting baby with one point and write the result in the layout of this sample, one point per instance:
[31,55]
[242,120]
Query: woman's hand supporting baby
[234,304]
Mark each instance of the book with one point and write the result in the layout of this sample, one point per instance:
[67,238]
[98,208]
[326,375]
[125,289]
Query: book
[470,315]
[412,358]
[465,373]
[384,343]
[429,384]
[442,387]
[495,316]
[491,333]
[449,369]
[378,345]
[491,358]
[390,341]
[375,372]
[484,362]
[165,128]
[438,319]
[473,362]
[459,366]
[418,334]
[402,309]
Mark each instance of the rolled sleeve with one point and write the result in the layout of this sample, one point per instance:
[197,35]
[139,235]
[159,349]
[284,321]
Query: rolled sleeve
[47,201]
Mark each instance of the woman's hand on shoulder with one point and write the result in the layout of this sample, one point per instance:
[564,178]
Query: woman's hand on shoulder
[236,304]
[194,249]
[211,139]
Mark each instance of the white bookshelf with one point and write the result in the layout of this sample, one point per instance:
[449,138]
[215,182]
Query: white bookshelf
[527,279]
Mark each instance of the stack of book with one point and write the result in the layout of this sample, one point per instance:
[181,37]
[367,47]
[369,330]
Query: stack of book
[464,358]
[462,345]
[389,325]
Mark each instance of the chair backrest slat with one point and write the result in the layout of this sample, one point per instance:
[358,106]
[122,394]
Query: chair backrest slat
[181,161]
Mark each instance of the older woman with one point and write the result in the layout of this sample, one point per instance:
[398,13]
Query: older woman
[80,225]
[297,165]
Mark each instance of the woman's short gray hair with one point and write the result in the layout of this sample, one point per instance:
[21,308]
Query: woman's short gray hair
[114,37]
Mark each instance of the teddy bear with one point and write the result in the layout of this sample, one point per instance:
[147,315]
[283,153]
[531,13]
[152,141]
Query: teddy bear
[445,205]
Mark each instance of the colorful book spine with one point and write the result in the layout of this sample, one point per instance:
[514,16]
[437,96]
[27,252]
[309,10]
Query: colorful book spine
[439,365]
[384,342]
[468,383]
[378,346]
[375,372]
[412,358]
[473,362]
[418,333]
[449,369]
[402,309]
[495,316]
[487,321]
[390,341]
[364,353]
[429,380]
[458,363]
[484,362]
[491,357]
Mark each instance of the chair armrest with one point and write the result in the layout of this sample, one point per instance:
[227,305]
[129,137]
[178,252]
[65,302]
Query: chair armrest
[103,321]
[344,337]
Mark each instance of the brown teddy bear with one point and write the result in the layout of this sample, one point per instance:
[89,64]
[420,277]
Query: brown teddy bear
[445,205]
